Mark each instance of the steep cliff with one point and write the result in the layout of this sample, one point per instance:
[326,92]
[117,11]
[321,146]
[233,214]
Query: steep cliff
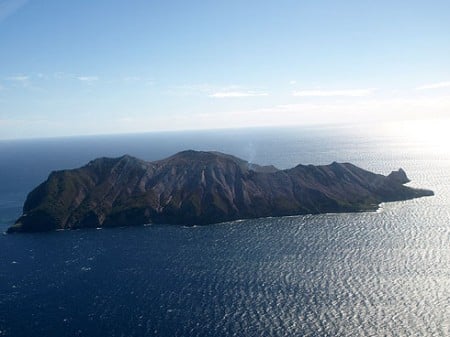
[201,188]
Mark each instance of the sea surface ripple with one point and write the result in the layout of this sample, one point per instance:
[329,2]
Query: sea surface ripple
[383,273]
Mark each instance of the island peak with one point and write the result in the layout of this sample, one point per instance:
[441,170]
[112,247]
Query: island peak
[201,187]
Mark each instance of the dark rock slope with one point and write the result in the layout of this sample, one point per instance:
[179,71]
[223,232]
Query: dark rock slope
[201,188]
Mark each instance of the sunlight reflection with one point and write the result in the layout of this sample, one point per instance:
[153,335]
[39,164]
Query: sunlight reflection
[434,134]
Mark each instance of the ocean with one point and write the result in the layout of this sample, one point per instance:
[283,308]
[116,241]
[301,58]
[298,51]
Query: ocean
[384,273]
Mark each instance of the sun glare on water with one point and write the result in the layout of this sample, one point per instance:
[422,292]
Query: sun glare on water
[434,134]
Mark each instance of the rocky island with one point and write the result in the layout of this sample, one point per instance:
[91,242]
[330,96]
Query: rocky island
[199,188]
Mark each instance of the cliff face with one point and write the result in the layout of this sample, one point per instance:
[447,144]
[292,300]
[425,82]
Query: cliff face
[201,188]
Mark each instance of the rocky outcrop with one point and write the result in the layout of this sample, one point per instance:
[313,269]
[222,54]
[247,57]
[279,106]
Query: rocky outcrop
[201,188]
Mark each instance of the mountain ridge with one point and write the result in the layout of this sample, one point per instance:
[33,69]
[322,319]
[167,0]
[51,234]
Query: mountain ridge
[201,187]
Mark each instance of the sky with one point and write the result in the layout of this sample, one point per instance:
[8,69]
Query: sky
[114,66]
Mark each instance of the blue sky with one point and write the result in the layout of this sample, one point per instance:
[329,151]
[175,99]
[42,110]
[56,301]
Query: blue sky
[96,67]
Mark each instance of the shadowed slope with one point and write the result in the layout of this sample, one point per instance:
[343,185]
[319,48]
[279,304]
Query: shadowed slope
[194,187]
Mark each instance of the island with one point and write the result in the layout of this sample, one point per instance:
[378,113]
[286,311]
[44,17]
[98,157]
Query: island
[200,188]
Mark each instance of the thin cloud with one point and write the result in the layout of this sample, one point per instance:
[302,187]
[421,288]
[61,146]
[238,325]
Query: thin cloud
[59,75]
[434,86]
[234,94]
[18,78]
[21,81]
[334,93]
[88,79]
[138,79]
[131,78]
[344,111]
[191,89]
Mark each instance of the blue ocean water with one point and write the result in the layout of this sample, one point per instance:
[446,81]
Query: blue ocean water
[384,273]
